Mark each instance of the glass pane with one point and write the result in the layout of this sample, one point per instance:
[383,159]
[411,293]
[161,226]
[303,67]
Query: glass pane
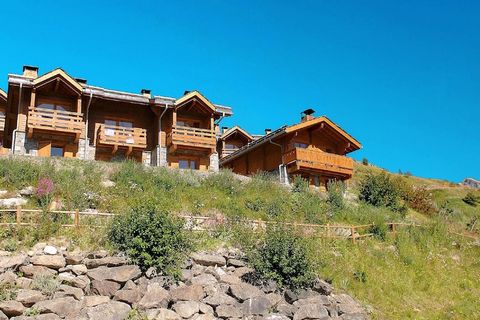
[192,165]
[110,122]
[46,106]
[56,152]
[182,123]
[126,124]
[183,164]
[59,107]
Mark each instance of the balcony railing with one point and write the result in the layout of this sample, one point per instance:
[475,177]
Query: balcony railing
[55,120]
[121,136]
[194,137]
[228,151]
[2,122]
[318,160]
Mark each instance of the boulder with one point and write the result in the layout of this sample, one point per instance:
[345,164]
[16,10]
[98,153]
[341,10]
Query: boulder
[27,191]
[236,263]
[29,297]
[118,274]
[209,259]
[311,311]
[192,292]
[286,309]
[155,297]
[130,296]
[12,308]
[239,272]
[186,309]
[204,279]
[106,261]
[68,291]
[346,304]
[74,258]
[81,282]
[276,316]
[244,291]
[256,306]
[105,287]
[53,262]
[162,314]
[228,311]
[63,307]
[12,202]
[8,277]
[51,250]
[112,310]
[323,287]
[204,317]
[92,301]
[32,271]
[12,262]
[230,279]
[23,283]
[218,298]
[79,269]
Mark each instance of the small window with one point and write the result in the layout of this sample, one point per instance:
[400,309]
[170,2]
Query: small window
[56,151]
[231,146]
[300,145]
[187,164]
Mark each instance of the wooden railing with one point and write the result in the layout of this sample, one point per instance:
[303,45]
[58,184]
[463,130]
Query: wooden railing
[196,137]
[55,120]
[2,122]
[121,136]
[319,160]
[228,151]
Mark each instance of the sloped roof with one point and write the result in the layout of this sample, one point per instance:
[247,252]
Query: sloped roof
[234,129]
[58,73]
[194,95]
[3,95]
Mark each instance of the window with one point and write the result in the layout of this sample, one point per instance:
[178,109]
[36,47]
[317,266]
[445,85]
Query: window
[300,145]
[119,123]
[187,164]
[231,146]
[56,151]
[54,104]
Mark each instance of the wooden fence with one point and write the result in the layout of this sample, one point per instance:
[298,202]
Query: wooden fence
[26,217]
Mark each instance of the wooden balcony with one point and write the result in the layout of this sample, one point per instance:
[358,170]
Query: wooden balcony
[55,120]
[228,151]
[117,136]
[317,160]
[2,123]
[192,137]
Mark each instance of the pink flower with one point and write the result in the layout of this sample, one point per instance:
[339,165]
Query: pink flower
[45,187]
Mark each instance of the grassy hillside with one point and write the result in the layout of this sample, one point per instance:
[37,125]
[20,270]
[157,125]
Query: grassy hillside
[421,273]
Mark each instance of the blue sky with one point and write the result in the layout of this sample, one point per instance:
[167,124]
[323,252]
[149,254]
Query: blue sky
[403,77]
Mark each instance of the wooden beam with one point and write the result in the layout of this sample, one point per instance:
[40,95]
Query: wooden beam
[129,151]
[57,84]
[115,148]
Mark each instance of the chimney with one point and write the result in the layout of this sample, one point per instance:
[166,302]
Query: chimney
[186,92]
[146,93]
[81,81]
[307,115]
[267,131]
[30,71]
[224,129]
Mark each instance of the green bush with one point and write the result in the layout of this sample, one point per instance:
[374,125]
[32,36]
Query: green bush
[335,191]
[471,199]
[46,283]
[151,238]
[300,184]
[283,256]
[379,190]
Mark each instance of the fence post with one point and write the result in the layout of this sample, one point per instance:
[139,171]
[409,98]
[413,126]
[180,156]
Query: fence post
[77,219]
[394,228]
[352,231]
[18,215]
[328,230]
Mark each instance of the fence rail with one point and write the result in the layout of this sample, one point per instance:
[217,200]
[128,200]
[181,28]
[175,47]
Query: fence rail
[210,223]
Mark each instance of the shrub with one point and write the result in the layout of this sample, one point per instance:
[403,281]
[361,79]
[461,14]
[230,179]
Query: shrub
[471,199]
[46,283]
[379,190]
[7,292]
[300,184]
[283,257]
[44,192]
[335,191]
[151,238]
[365,161]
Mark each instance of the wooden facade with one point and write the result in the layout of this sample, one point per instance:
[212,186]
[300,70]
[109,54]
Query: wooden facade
[57,115]
[3,112]
[314,149]
[232,140]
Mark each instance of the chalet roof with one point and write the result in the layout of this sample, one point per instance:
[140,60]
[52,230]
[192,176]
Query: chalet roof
[3,95]
[194,96]
[235,129]
[110,94]
[286,130]
[71,82]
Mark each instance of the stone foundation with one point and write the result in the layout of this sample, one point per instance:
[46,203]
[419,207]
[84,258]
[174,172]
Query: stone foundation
[24,145]
[90,153]
[147,158]
[214,163]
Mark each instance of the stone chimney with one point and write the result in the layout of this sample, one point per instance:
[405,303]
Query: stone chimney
[81,81]
[146,93]
[307,115]
[267,131]
[224,129]
[30,71]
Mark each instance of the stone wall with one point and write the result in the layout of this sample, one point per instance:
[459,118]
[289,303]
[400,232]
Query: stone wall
[214,163]
[24,146]
[90,154]
[98,286]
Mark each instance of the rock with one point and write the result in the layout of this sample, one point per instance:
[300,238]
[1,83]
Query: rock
[323,287]
[128,296]
[68,291]
[208,259]
[23,283]
[186,309]
[12,308]
[8,277]
[92,301]
[108,183]
[205,308]
[106,261]
[192,292]
[118,274]
[129,285]
[244,291]
[98,254]
[286,309]
[29,297]
[321,300]
[50,250]
[74,258]
[204,317]
[113,310]
[155,297]
[346,304]
[105,287]
[292,296]
[162,314]
[311,311]
[79,269]
[219,298]
[81,282]
[230,279]
[204,279]
[239,272]
[228,311]
[12,202]
[31,271]
[353,316]
[12,262]
[66,277]
[53,262]
[256,306]
[276,316]
[63,307]
[236,263]
[3,316]
[27,191]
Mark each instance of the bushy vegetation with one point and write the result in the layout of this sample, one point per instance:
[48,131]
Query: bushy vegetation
[335,191]
[283,256]
[471,199]
[151,238]
[379,190]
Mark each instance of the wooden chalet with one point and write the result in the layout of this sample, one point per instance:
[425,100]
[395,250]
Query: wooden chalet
[315,149]
[58,115]
[232,140]
[3,110]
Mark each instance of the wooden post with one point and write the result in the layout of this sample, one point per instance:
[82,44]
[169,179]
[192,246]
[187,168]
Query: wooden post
[394,228]
[77,219]
[18,215]
[352,231]
[328,230]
